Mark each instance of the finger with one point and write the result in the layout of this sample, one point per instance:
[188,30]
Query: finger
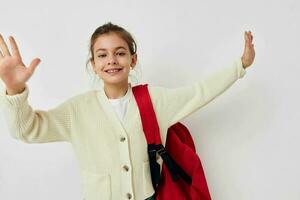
[34,63]
[247,39]
[250,36]
[14,47]
[3,47]
[245,36]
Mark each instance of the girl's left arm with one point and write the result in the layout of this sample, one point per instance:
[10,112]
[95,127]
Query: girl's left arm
[183,101]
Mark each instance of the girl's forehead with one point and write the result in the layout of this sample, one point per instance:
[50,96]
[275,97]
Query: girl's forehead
[109,41]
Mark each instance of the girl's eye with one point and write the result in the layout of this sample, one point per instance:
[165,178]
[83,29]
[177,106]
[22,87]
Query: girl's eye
[103,55]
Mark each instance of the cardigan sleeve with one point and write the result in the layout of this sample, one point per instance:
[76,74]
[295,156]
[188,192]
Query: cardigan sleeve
[183,101]
[35,126]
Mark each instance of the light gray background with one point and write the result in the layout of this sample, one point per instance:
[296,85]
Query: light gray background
[248,138]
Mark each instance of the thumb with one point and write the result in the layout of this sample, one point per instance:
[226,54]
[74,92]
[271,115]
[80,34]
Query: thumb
[34,63]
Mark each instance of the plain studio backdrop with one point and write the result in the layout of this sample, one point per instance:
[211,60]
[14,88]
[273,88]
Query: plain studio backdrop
[248,138]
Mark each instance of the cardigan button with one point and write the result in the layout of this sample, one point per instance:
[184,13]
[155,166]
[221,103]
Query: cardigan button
[126,168]
[122,139]
[129,196]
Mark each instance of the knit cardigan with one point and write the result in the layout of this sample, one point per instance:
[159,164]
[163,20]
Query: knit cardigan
[112,156]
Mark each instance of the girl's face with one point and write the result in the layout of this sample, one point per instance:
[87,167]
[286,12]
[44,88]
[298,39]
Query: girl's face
[112,59]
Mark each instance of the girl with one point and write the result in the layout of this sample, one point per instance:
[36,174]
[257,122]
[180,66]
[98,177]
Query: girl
[104,125]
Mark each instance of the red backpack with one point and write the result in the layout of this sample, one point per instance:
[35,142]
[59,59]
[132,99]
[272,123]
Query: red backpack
[182,176]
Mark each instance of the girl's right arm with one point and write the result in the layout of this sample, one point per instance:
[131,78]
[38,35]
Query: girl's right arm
[26,124]
[35,126]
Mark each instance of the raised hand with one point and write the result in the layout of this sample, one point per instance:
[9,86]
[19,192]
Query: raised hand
[13,72]
[249,52]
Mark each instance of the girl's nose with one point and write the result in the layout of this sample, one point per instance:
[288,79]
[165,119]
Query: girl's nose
[112,60]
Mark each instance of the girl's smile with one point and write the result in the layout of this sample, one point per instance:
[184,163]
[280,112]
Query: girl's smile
[112,60]
[113,71]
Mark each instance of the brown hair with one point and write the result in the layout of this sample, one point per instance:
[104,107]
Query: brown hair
[112,28]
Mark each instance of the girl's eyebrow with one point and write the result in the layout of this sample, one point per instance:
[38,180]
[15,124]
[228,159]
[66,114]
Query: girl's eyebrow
[120,47]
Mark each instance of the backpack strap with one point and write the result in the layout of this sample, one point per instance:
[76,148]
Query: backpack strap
[148,117]
[152,133]
[150,128]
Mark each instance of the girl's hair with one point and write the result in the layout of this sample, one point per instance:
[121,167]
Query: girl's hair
[122,33]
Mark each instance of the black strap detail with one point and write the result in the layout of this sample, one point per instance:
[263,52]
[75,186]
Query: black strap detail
[175,170]
[168,161]
[154,166]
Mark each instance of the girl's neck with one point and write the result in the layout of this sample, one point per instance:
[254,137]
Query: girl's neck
[115,91]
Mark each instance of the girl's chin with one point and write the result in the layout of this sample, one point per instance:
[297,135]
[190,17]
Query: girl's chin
[114,80]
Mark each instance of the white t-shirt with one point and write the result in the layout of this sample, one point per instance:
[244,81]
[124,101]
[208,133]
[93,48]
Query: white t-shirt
[120,104]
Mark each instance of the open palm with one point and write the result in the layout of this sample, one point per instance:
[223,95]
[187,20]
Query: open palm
[13,72]
[249,52]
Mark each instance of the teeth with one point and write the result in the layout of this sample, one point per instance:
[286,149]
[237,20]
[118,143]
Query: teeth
[114,70]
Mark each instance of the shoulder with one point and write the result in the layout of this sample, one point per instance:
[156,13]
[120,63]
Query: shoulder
[156,90]
[157,93]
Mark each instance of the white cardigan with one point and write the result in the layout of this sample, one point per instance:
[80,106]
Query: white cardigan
[112,156]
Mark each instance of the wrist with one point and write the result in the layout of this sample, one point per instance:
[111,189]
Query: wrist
[243,64]
[14,91]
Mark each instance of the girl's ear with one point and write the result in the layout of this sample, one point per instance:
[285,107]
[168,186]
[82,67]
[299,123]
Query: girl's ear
[93,65]
[133,60]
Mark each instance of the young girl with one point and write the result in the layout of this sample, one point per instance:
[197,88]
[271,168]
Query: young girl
[104,125]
